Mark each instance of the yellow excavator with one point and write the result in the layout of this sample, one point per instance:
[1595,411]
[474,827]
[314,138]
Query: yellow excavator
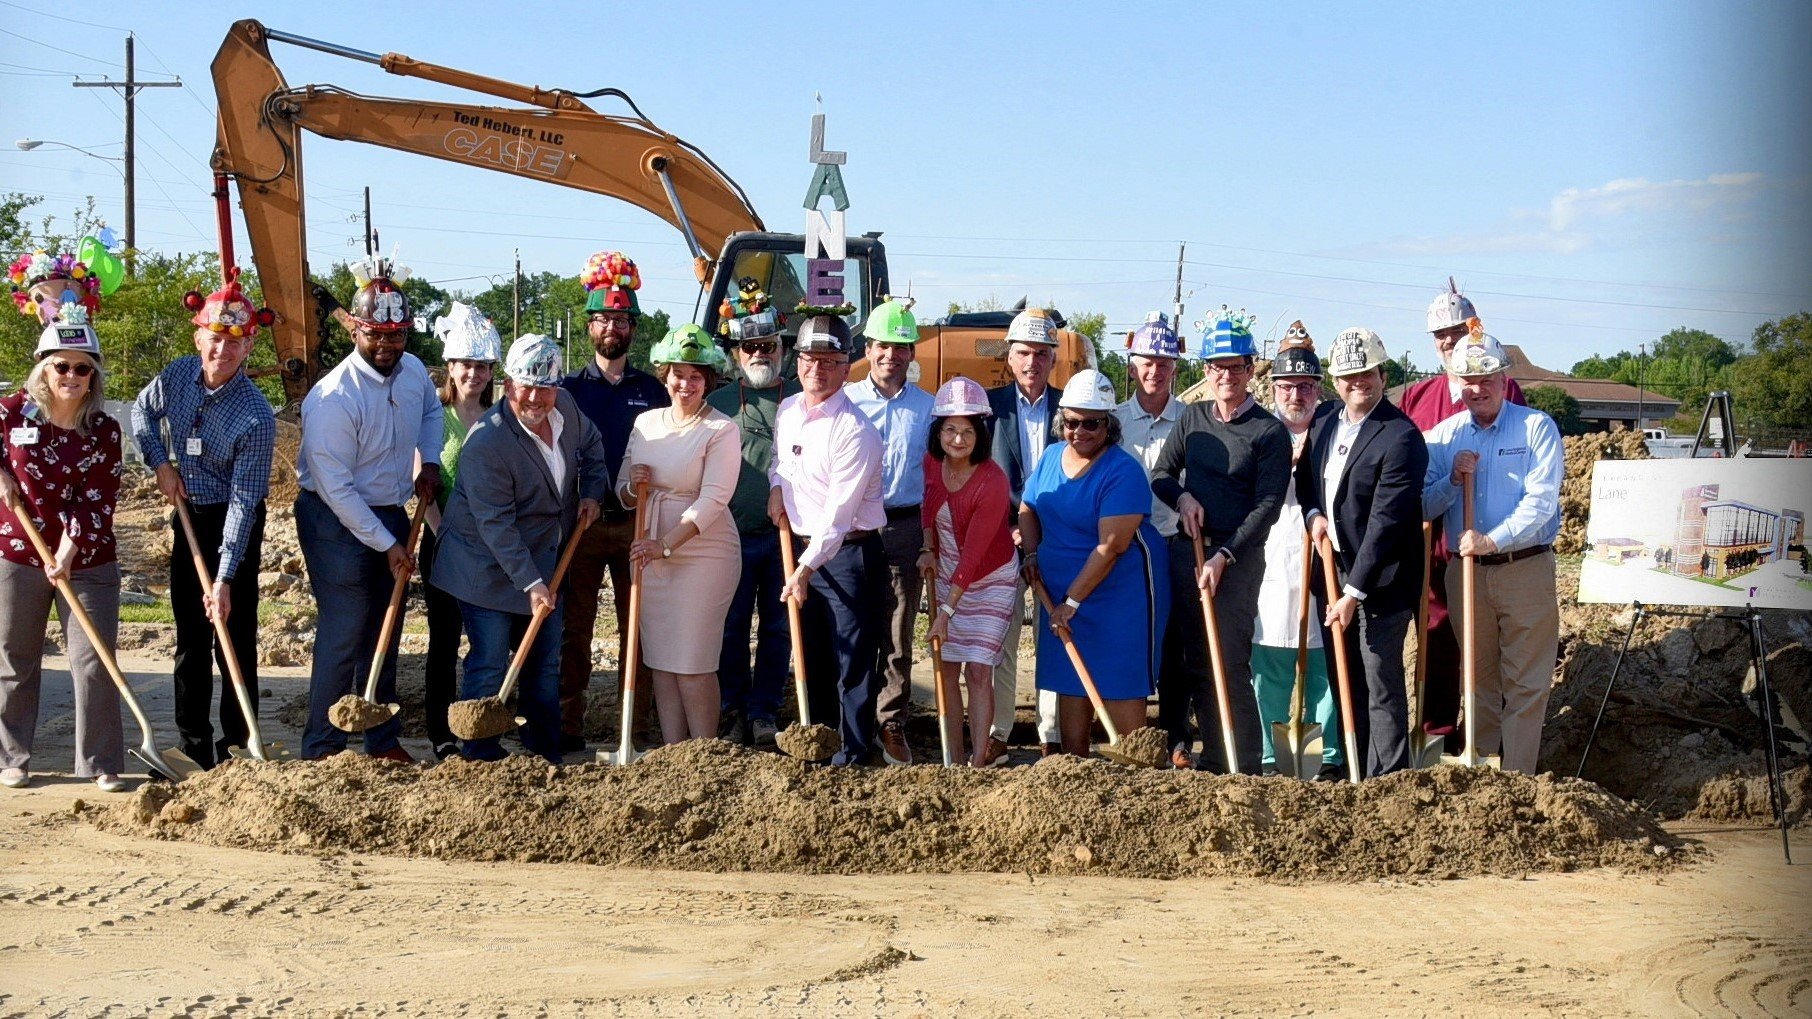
[553,136]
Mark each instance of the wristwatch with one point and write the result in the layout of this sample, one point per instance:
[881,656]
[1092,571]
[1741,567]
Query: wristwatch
[1072,603]
[666,553]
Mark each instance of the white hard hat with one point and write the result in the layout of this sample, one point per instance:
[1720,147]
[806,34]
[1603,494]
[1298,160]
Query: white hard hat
[535,360]
[1478,356]
[69,331]
[1088,389]
[1450,308]
[961,397]
[1356,350]
[465,334]
[1033,325]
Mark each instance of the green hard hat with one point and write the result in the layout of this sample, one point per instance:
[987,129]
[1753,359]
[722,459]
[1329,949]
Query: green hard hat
[613,299]
[688,344]
[891,322]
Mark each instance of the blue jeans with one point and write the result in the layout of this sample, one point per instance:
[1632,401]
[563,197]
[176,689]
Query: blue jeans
[842,626]
[352,586]
[756,695]
[494,636]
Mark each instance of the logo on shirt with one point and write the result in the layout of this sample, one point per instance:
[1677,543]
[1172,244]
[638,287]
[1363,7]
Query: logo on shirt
[1514,451]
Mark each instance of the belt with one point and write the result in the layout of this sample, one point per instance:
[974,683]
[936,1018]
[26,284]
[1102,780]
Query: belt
[849,537]
[1500,558]
[616,516]
[902,512]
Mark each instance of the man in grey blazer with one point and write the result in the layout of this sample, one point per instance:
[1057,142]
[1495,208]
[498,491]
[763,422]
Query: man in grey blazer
[530,474]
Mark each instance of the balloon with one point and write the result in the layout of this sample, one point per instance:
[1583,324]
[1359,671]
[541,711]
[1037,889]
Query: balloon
[108,238]
[105,265]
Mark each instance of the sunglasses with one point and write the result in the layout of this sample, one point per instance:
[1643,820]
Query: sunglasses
[760,346]
[82,371]
[1084,424]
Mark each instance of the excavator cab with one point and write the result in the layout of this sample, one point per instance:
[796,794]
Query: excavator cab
[777,262]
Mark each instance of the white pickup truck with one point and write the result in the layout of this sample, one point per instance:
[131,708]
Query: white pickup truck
[1662,445]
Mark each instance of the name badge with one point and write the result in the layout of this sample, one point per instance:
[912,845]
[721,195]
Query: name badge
[24,435]
[194,446]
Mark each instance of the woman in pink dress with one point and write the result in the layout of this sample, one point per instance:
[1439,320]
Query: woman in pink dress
[970,546]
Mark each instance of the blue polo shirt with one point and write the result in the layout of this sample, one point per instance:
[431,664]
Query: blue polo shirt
[904,421]
[613,408]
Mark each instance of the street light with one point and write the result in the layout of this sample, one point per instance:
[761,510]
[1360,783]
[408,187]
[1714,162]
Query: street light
[28,144]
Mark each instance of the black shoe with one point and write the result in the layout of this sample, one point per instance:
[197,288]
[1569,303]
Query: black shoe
[442,751]
[1331,773]
[1269,771]
[733,727]
[571,743]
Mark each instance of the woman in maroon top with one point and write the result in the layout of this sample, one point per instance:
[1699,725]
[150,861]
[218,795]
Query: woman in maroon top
[970,546]
[61,466]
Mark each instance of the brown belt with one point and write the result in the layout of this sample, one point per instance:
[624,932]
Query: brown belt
[1500,558]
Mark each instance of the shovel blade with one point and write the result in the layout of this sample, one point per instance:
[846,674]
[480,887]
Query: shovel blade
[174,766]
[1108,751]
[1473,759]
[621,756]
[1298,755]
[1428,755]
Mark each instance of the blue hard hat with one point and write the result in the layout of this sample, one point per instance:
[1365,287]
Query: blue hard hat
[1229,334]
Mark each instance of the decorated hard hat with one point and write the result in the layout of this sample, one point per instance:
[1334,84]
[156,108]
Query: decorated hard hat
[1296,357]
[227,310]
[1355,350]
[1478,355]
[961,397]
[612,280]
[1088,389]
[69,332]
[1450,308]
[688,344]
[535,360]
[823,334]
[465,334]
[1033,325]
[1154,338]
[43,282]
[1229,334]
[892,322]
[748,314]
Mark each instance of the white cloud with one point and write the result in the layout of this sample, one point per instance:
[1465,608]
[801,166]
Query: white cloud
[1636,195]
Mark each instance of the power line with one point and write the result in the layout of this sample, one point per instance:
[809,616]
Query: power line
[59,49]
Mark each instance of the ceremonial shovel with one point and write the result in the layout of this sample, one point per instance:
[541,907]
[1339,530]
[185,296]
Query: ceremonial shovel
[1338,635]
[1297,744]
[1424,751]
[789,563]
[174,764]
[1111,751]
[937,681]
[491,716]
[352,713]
[632,646]
[1470,757]
[1213,626]
[254,743]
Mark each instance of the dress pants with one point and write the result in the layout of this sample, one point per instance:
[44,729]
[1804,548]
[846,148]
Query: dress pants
[441,677]
[494,635]
[197,648]
[1235,606]
[1517,639]
[603,548]
[1380,701]
[352,586]
[901,538]
[756,693]
[26,596]
[841,627]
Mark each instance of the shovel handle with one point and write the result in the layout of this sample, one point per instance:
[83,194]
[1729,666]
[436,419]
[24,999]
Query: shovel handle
[1338,635]
[254,740]
[943,710]
[632,641]
[1469,629]
[1299,693]
[1229,746]
[789,563]
[540,616]
[395,611]
[1422,631]
[1082,673]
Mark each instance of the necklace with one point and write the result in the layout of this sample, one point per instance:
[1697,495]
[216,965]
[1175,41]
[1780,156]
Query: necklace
[678,425]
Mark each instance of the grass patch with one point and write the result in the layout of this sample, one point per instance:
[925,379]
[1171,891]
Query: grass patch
[159,611]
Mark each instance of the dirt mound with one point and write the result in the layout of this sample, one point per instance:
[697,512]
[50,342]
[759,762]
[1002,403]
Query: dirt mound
[809,742]
[707,805]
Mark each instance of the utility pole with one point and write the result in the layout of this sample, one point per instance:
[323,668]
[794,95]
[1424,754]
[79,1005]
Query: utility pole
[129,88]
[1641,394]
[371,241]
[1177,322]
[516,298]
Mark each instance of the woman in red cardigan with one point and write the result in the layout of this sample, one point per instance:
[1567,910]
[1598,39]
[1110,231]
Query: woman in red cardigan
[969,543]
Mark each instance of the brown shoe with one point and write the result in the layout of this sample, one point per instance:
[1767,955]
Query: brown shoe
[1049,749]
[395,753]
[893,744]
[1180,758]
[996,754]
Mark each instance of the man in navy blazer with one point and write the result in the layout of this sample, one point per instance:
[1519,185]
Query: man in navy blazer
[531,473]
[1359,484]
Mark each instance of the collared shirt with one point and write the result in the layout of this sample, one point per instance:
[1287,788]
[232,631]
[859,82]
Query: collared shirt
[613,407]
[904,421]
[1517,486]
[827,465]
[236,432]
[1346,432]
[1034,428]
[361,433]
[754,411]
[550,451]
[1143,435]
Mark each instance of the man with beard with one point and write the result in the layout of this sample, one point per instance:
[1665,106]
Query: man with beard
[611,394]
[1428,403]
[1360,487]
[363,425]
[751,698]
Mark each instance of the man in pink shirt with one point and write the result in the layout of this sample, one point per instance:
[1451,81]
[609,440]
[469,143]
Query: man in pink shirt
[1427,403]
[826,480]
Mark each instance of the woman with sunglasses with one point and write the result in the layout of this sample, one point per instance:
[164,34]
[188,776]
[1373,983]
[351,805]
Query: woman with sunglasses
[62,469]
[1086,533]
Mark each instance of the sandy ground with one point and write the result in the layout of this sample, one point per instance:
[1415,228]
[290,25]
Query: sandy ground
[100,924]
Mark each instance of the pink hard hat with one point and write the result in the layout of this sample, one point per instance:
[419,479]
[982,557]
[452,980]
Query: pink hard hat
[961,397]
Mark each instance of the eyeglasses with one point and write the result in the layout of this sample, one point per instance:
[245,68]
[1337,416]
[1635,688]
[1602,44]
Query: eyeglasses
[1297,387]
[757,347]
[957,434]
[1236,368]
[611,321]
[82,371]
[1084,424]
[822,364]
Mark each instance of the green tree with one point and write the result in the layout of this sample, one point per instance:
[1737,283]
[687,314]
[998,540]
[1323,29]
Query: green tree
[1774,384]
[1558,404]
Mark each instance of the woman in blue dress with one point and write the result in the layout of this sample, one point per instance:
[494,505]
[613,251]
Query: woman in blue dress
[1084,530]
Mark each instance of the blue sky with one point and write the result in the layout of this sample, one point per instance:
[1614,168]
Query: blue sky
[1594,175]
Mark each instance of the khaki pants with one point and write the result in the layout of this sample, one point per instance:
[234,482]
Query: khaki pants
[1517,638]
[1006,680]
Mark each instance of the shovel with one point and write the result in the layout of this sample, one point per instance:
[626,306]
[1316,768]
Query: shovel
[1296,744]
[173,764]
[1213,626]
[1341,672]
[1470,756]
[825,748]
[353,713]
[254,743]
[937,681]
[484,717]
[632,646]
[1111,751]
[1424,752]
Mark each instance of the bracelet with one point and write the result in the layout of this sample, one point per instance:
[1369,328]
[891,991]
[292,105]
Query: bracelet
[946,608]
[925,551]
[1071,602]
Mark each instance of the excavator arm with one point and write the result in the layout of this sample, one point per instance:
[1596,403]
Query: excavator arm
[558,139]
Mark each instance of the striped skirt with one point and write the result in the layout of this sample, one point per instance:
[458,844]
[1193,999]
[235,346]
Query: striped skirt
[979,627]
